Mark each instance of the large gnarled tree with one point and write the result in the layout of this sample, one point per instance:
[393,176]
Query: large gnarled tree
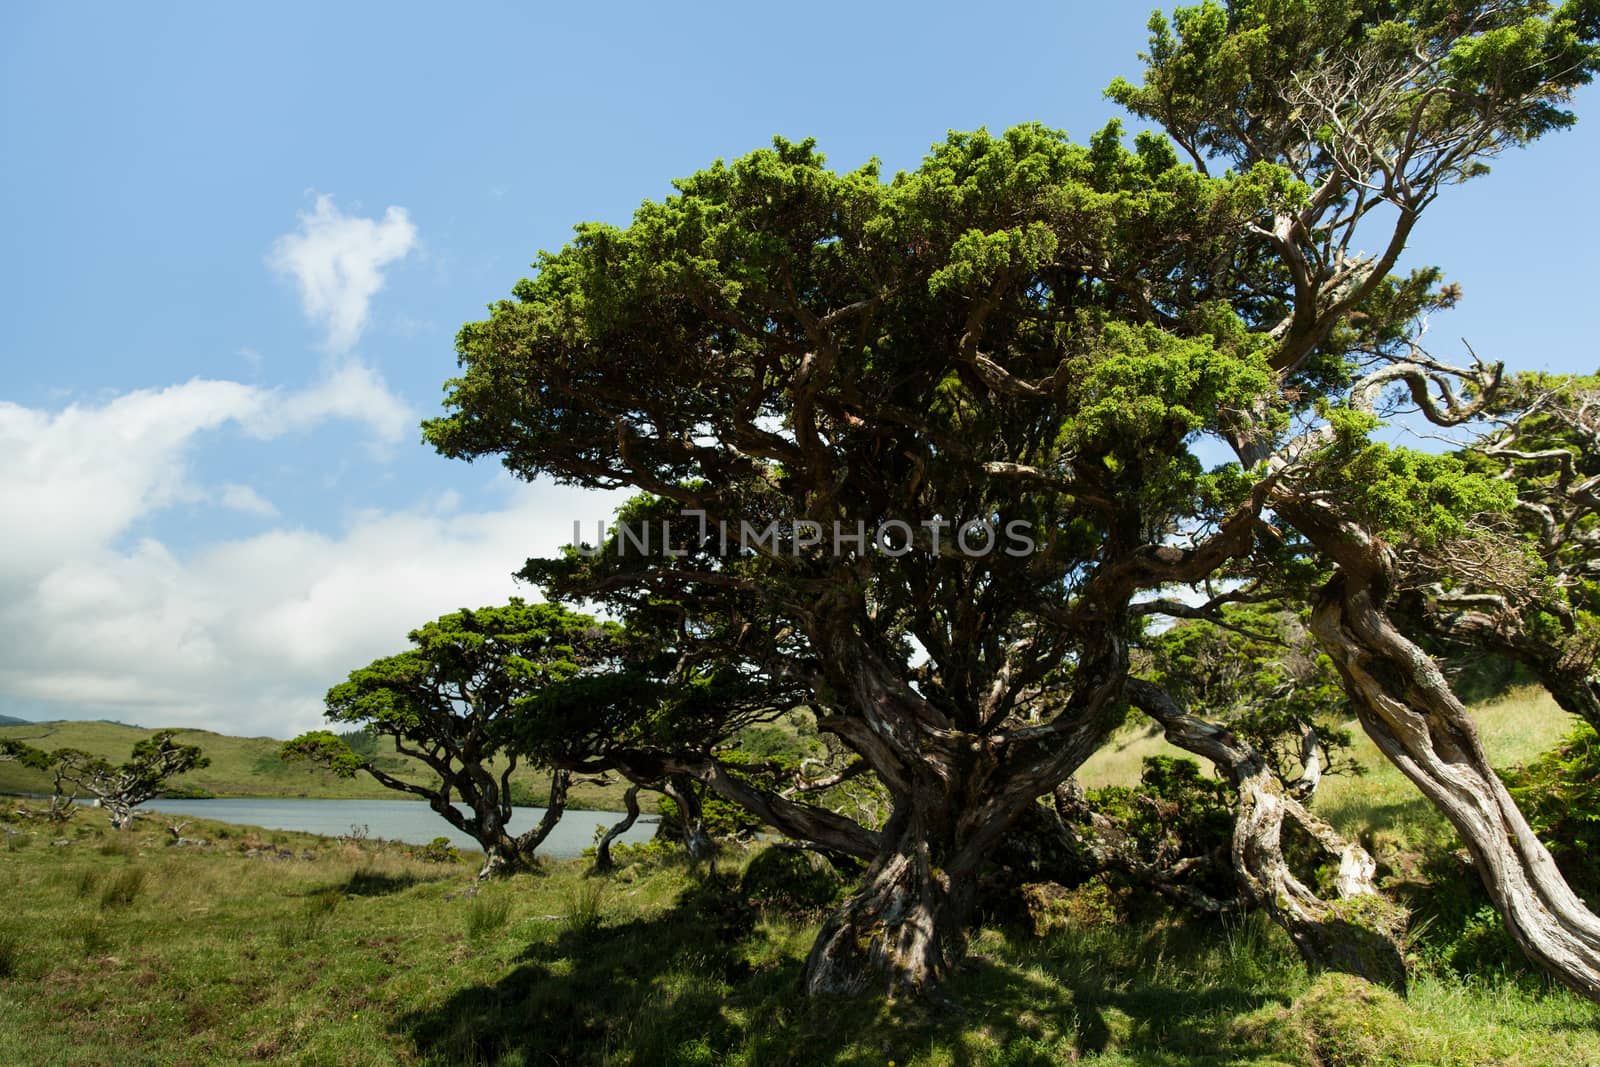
[1027,335]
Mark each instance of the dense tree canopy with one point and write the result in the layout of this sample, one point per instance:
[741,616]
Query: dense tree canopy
[938,434]
[449,702]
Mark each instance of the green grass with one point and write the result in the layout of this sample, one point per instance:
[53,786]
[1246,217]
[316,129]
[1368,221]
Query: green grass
[1515,729]
[250,767]
[356,954]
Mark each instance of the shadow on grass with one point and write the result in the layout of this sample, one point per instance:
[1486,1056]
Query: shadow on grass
[704,983]
[370,883]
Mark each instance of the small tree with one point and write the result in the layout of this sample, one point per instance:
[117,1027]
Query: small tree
[123,787]
[62,798]
[17,752]
[449,703]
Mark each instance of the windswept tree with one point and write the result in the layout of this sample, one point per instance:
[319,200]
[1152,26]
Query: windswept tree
[1372,111]
[124,786]
[781,346]
[451,703]
[12,751]
[665,717]
[63,795]
[1256,670]
[937,433]
[1527,586]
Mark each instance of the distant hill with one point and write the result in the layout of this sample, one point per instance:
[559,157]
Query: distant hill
[249,766]
[12,720]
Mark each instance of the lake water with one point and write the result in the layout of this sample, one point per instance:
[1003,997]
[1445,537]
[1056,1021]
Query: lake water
[397,820]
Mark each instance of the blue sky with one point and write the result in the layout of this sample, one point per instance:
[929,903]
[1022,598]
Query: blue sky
[241,240]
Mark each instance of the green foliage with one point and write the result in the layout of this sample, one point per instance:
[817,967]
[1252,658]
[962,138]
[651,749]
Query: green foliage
[14,751]
[475,666]
[439,850]
[1174,800]
[1257,671]
[453,702]
[1215,72]
[1176,811]
[143,776]
[1025,330]
[791,880]
[1404,495]
[718,817]
[1560,794]
[326,749]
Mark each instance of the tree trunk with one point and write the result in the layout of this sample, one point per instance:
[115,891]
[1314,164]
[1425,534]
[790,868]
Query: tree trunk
[905,924]
[500,855]
[1407,708]
[555,807]
[681,789]
[602,854]
[1357,933]
[120,812]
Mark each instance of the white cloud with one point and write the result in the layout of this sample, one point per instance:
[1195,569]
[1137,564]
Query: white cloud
[73,480]
[337,261]
[242,498]
[348,390]
[242,636]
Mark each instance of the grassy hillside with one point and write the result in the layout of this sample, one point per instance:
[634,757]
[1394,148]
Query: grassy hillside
[1515,729]
[122,949]
[249,766]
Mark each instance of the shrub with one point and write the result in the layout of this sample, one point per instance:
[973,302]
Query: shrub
[1052,907]
[1176,812]
[791,880]
[439,850]
[1560,794]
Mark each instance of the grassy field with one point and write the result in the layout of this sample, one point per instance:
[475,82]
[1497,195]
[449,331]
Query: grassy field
[124,950]
[250,767]
[265,946]
[1515,729]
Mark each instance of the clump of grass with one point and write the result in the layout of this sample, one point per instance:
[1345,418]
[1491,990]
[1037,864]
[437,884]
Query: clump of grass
[124,889]
[94,939]
[312,918]
[487,914]
[10,954]
[585,908]
[117,846]
[16,842]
